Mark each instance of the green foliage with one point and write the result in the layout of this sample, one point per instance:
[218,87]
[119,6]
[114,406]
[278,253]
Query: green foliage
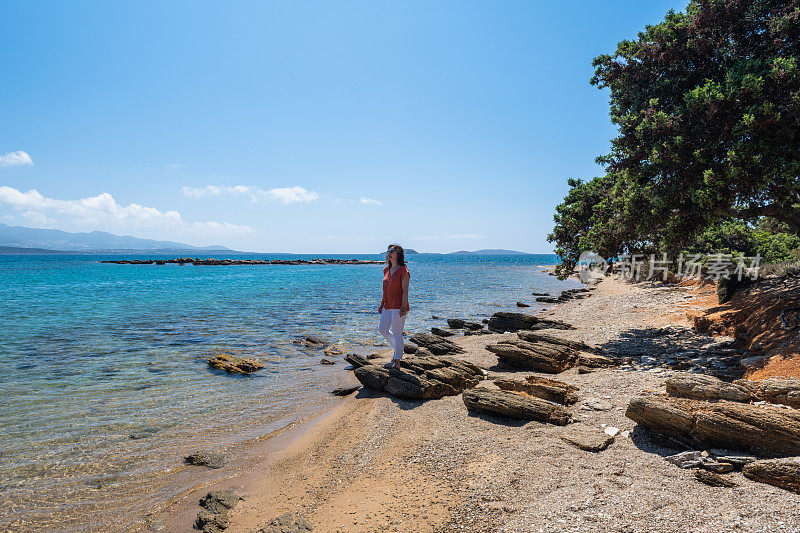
[707,103]
[767,238]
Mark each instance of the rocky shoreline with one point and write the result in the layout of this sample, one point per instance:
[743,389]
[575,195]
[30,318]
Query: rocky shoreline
[600,414]
[220,262]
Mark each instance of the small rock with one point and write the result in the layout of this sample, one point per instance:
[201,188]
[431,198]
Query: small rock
[586,438]
[203,458]
[218,501]
[332,350]
[234,365]
[520,304]
[442,332]
[688,459]
[719,468]
[713,480]
[324,361]
[611,431]
[344,391]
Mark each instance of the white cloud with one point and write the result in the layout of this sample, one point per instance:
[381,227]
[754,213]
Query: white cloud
[293,195]
[15,159]
[103,209]
[215,190]
[286,195]
[370,201]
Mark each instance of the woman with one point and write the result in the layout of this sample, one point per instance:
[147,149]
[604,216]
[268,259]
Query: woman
[394,304]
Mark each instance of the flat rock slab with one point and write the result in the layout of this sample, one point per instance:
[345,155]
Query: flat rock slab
[783,473]
[516,405]
[436,344]
[441,332]
[536,356]
[234,365]
[541,336]
[421,377]
[503,321]
[548,389]
[764,430]
[585,437]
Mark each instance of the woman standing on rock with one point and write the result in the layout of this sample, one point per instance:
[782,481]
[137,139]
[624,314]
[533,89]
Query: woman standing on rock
[394,304]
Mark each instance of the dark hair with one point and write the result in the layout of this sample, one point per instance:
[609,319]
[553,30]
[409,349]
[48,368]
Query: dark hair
[399,253]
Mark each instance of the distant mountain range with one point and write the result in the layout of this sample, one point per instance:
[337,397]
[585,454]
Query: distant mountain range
[490,251]
[64,241]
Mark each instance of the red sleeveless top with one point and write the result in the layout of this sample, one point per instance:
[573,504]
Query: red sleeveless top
[393,287]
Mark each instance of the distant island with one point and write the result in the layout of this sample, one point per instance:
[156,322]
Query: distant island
[489,251]
[36,240]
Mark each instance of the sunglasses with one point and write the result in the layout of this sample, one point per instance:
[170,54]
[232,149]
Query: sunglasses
[391,251]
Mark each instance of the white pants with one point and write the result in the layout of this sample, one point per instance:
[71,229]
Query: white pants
[391,327]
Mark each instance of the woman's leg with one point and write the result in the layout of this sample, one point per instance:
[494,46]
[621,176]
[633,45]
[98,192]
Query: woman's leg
[396,331]
[384,325]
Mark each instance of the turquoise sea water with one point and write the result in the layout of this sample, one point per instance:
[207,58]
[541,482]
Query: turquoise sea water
[93,354]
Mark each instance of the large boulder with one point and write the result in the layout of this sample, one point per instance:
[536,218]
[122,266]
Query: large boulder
[515,405]
[783,473]
[701,387]
[234,365]
[548,389]
[421,378]
[762,429]
[436,344]
[503,321]
[535,356]
[774,390]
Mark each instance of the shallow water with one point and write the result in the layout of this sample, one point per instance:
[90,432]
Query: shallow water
[105,385]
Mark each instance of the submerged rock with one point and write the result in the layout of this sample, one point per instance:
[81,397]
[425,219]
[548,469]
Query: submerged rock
[324,361]
[234,365]
[204,458]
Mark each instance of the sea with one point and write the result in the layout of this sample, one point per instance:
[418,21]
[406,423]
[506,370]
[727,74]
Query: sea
[105,384]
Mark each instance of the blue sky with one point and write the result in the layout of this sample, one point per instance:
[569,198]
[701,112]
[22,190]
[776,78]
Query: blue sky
[315,127]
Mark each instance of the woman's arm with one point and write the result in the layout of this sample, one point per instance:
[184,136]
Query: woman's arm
[405,307]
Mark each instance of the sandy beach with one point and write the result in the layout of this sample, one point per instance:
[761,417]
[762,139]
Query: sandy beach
[376,463]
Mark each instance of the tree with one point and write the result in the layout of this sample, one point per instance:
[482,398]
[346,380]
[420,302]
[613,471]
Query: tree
[708,108]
